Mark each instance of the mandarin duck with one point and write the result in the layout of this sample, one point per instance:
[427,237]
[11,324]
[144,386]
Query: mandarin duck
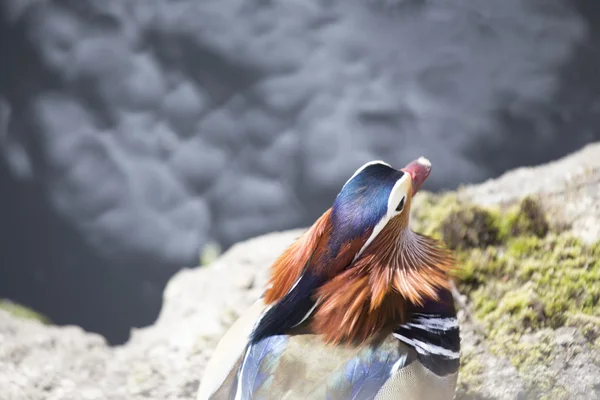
[358,307]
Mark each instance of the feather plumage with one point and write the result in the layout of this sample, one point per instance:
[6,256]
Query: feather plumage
[289,266]
[398,269]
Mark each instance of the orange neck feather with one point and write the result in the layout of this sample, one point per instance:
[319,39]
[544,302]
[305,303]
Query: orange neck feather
[288,267]
[398,269]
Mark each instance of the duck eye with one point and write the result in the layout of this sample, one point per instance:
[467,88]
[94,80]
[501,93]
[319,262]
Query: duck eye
[401,204]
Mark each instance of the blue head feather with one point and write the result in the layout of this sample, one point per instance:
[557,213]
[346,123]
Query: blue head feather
[361,203]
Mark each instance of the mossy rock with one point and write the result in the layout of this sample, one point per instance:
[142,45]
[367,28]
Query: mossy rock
[210,253]
[522,277]
[22,312]
[470,378]
[462,225]
[470,227]
[528,219]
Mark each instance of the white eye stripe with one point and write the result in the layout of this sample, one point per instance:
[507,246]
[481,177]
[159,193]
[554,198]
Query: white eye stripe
[378,228]
[399,191]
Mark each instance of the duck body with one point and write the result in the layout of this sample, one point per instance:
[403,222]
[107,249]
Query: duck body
[333,333]
[300,365]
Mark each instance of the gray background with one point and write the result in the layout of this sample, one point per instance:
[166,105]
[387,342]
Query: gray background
[134,131]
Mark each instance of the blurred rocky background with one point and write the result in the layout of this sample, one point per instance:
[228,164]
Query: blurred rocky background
[135,132]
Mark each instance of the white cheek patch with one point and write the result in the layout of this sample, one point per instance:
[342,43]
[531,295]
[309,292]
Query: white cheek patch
[401,189]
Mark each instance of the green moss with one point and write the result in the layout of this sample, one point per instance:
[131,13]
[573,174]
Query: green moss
[588,325]
[462,225]
[429,212]
[470,379]
[531,354]
[526,218]
[209,253]
[534,374]
[19,311]
[469,227]
[521,276]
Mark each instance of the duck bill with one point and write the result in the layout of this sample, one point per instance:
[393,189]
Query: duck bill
[419,171]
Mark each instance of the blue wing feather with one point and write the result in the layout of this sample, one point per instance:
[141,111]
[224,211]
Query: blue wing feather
[373,377]
[258,364]
[360,378]
[363,376]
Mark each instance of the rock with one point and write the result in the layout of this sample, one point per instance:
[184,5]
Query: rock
[141,130]
[565,336]
[45,362]
[568,188]
[166,360]
[483,374]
